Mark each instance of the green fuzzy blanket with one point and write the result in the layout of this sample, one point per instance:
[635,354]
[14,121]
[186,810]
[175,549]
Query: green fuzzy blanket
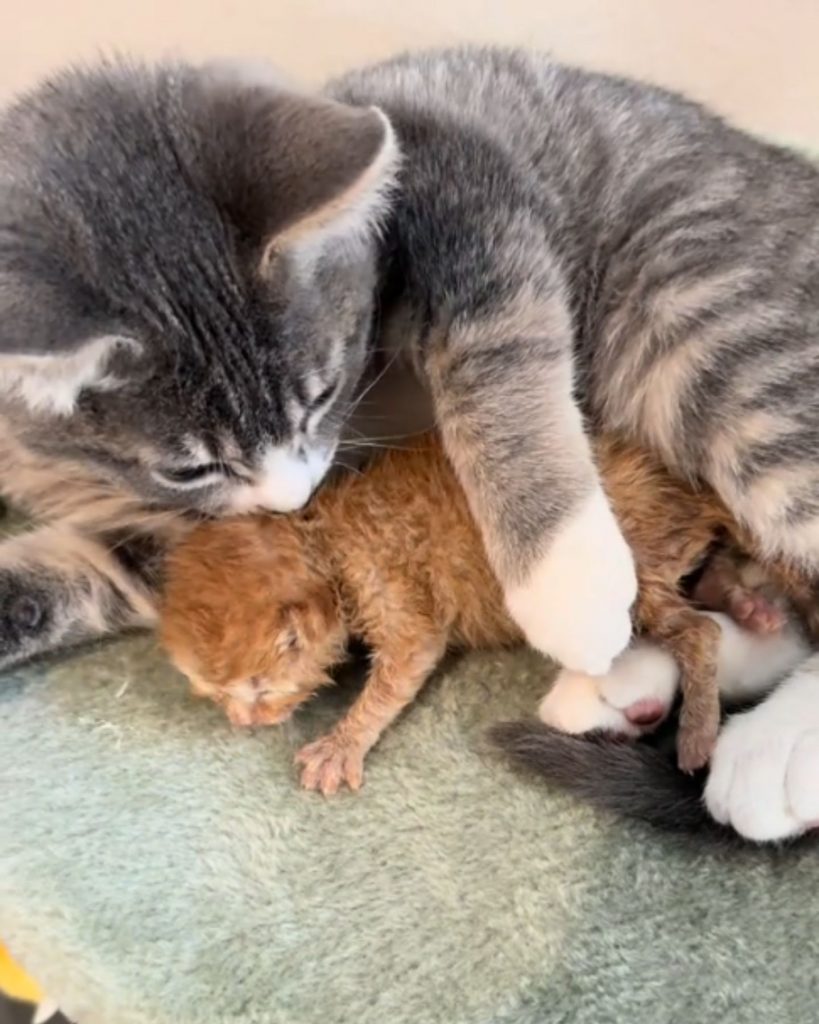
[158,868]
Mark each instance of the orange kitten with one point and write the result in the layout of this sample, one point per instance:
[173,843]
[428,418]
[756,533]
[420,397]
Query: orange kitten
[257,610]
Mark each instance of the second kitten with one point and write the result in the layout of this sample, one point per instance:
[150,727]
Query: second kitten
[257,610]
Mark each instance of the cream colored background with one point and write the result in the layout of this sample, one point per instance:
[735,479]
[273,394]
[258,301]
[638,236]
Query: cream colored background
[757,61]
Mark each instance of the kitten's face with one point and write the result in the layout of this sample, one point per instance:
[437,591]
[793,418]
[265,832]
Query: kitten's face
[187,272]
[282,681]
[248,620]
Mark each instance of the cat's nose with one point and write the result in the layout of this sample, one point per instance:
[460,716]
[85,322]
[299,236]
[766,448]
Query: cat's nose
[285,481]
[284,488]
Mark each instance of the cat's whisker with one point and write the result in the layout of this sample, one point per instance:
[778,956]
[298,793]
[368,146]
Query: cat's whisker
[348,467]
[384,369]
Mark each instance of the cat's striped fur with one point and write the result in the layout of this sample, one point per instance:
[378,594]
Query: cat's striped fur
[559,245]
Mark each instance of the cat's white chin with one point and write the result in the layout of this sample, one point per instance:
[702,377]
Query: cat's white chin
[575,606]
[764,778]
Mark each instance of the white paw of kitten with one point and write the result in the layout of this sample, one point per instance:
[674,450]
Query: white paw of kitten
[764,778]
[575,606]
[633,698]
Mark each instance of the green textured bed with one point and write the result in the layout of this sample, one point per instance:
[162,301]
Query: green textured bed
[156,867]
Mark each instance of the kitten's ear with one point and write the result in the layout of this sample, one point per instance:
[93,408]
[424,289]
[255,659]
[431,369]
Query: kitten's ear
[293,171]
[304,622]
[50,350]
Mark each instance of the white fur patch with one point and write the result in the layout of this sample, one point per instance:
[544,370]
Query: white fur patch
[285,482]
[575,605]
[764,779]
[575,704]
[747,664]
[52,383]
[579,703]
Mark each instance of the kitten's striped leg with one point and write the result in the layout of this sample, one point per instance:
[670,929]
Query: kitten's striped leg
[59,588]
[503,398]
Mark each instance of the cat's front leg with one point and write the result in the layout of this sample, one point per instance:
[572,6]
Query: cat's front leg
[502,389]
[59,588]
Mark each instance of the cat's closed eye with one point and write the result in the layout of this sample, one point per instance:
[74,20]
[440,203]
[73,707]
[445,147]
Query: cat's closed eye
[190,476]
[324,396]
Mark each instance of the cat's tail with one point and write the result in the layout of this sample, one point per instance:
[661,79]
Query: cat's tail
[632,780]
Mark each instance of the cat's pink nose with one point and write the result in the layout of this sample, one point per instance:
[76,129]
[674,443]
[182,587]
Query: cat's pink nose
[646,712]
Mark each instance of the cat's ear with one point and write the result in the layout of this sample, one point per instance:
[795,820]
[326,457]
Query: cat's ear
[293,172]
[49,349]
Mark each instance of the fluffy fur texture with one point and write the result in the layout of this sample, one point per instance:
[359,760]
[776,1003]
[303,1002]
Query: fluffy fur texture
[187,279]
[550,226]
[558,242]
[158,868]
[256,611]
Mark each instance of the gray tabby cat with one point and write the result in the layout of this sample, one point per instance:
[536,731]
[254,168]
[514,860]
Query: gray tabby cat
[197,266]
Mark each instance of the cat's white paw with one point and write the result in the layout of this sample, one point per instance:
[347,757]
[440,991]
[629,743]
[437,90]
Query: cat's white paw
[633,698]
[764,778]
[576,604]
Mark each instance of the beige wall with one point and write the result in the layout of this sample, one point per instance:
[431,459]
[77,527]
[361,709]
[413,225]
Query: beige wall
[755,60]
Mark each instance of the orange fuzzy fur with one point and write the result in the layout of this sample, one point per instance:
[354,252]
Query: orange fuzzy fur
[257,610]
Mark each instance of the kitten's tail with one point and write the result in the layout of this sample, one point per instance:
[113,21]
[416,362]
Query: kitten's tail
[632,780]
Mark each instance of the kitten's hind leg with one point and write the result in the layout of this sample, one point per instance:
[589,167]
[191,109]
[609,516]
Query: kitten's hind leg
[693,639]
[638,691]
[764,771]
[59,588]
[502,388]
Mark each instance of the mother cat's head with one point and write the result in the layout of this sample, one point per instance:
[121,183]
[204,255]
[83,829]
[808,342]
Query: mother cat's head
[187,271]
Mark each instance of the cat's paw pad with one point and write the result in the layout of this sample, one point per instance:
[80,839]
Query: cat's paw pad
[576,705]
[764,778]
[575,606]
[330,762]
[646,712]
[632,699]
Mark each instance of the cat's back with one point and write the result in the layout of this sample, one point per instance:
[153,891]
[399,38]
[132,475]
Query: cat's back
[561,120]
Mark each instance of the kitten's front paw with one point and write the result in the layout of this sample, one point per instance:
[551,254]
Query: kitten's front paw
[330,762]
[575,606]
[764,778]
